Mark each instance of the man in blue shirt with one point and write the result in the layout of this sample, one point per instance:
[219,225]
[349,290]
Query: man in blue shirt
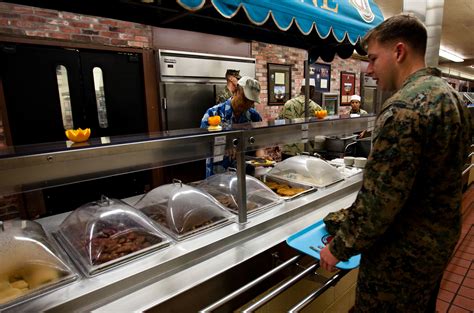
[236,110]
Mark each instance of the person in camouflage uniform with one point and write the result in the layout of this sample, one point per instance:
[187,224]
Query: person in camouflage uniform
[232,77]
[294,108]
[406,218]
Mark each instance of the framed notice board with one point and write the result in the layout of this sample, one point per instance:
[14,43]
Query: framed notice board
[347,87]
[322,76]
[279,83]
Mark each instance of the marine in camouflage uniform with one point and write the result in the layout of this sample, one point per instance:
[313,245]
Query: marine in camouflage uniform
[223,95]
[231,76]
[406,219]
[294,108]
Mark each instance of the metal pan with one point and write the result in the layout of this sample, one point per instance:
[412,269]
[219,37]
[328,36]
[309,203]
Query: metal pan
[93,270]
[307,188]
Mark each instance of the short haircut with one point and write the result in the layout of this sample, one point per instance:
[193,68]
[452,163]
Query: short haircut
[235,73]
[403,27]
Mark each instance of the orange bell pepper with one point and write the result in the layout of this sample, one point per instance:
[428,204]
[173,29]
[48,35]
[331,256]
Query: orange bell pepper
[214,120]
[78,135]
[321,113]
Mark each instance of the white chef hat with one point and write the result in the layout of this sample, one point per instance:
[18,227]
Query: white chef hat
[355,98]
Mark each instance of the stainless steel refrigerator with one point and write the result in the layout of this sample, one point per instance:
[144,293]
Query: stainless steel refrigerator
[372,96]
[189,83]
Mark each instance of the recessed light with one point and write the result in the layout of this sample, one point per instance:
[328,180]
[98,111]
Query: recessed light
[450,55]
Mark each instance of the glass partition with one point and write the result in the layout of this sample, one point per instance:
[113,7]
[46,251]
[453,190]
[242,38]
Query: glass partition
[64,96]
[100,97]
[39,166]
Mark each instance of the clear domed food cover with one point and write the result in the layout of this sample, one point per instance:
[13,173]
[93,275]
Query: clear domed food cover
[224,187]
[30,263]
[306,169]
[182,210]
[107,232]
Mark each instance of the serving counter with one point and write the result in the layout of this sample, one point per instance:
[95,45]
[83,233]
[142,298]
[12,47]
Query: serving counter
[160,280]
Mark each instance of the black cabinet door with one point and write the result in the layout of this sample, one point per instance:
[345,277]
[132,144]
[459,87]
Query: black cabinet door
[123,90]
[32,95]
[30,85]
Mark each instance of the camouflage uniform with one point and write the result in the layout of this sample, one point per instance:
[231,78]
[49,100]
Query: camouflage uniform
[406,218]
[294,108]
[223,95]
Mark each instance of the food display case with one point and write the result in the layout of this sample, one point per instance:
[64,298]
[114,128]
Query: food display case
[30,264]
[183,211]
[163,275]
[102,234]
[224,187]
[306,169]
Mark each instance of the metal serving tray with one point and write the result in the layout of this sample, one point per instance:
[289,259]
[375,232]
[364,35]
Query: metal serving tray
[250,211]
[307,188]
[205,229]
[97,269]
[40,291]
[160,210]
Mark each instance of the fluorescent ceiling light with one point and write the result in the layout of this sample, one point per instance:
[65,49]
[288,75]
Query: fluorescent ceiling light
[450,55]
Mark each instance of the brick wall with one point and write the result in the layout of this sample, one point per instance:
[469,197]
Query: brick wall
[269,53]
[35,22]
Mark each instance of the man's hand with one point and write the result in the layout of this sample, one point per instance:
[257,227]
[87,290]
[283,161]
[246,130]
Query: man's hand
[328,261]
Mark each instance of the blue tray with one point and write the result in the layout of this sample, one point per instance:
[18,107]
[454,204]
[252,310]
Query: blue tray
[316,236]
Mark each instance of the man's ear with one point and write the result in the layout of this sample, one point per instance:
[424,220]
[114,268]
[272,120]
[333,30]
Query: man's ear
[400,51]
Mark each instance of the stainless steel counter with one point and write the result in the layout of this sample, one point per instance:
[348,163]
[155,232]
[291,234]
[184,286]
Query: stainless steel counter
[150,280]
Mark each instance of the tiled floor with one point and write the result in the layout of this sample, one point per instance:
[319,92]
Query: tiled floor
[457,288]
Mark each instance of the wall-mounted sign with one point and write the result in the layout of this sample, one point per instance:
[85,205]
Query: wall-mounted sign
[347,87]
[279,83]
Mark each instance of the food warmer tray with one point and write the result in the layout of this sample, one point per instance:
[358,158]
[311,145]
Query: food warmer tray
[31,259]
[307,170]
[183,211]
[307,188]
[224,188]
[101,217]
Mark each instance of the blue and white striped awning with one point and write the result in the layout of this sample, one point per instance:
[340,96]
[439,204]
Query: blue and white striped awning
[342,19]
